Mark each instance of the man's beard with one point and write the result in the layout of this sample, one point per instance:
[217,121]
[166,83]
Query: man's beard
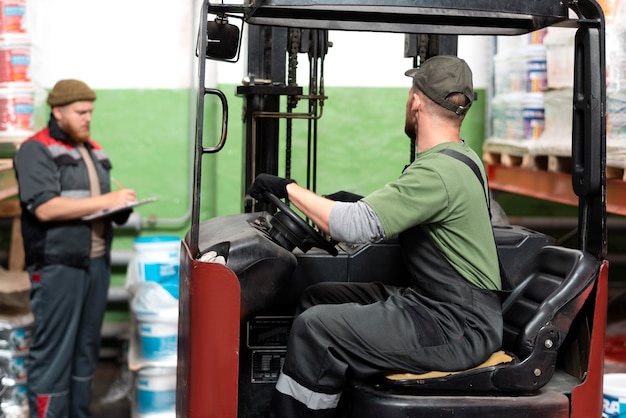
[78,135]
[409,130]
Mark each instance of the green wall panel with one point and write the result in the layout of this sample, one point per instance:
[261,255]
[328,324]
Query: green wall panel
[146,134]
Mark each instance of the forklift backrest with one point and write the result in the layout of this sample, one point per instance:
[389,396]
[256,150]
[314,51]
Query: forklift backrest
[550,295]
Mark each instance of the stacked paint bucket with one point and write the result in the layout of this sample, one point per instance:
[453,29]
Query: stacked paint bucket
[154,306]
[520,80]
[15,337]
[16,88]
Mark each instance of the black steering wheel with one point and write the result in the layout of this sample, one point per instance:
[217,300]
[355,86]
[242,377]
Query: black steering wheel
[291,231]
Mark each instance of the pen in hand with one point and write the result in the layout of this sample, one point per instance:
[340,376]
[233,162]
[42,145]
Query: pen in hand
[117,183]
[124,193]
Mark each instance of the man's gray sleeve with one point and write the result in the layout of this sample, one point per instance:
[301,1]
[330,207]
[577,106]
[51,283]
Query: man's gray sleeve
[355,222]
[37,175]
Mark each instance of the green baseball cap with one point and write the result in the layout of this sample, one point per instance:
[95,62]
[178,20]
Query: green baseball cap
[441,76]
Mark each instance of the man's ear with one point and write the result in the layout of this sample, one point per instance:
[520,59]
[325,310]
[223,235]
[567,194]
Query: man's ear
[416,103]
[56,112]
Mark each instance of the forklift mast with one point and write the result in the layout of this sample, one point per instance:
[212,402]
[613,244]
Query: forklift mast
[272,64]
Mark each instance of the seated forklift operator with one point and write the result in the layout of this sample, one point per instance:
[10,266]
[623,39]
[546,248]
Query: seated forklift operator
[449,317]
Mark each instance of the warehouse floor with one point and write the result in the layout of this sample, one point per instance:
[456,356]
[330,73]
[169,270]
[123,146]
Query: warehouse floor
[111,391]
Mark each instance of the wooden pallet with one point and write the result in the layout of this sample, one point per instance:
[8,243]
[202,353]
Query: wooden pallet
[531,162]
[502,158]
[615,173]
[551,163]
[536,162]
[616,162]
[559,164]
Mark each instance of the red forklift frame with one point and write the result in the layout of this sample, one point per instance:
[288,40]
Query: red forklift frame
[210,294]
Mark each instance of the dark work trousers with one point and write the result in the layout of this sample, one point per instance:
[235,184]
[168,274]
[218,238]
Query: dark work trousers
[381,328]
[68,305]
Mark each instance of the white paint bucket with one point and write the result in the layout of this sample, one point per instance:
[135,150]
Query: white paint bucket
[536,69]
[155,391]
[614,403]
[533,114]
[157,260]
[158,336]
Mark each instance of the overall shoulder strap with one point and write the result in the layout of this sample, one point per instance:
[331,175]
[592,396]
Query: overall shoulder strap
[472,165]
[506,284]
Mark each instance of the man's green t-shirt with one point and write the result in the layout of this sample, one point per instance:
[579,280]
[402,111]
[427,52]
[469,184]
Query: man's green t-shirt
[443,195]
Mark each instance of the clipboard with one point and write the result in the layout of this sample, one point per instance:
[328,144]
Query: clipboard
[111,211]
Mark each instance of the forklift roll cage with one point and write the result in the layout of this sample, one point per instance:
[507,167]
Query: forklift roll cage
[211,295]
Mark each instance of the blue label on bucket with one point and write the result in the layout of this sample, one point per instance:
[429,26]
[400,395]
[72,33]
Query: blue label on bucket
[20,59]
[13,10]
[612,407]
[156,239]
[23,108]
[537,79]
[18,340]
[17,369]
[160,273]
[158,347]
[533,122]
[164,274]
[155,401]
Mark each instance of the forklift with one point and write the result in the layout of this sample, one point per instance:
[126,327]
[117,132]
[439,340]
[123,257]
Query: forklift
[235,315]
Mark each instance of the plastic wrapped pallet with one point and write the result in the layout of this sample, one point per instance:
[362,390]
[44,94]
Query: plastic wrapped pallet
[15,338]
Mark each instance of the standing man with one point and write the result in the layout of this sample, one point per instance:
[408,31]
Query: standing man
[62,176]
[449,316]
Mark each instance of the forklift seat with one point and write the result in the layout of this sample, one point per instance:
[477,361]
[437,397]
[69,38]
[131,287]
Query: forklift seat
[537,316]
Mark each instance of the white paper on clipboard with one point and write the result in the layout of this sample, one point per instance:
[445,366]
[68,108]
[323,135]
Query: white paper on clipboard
[107,212]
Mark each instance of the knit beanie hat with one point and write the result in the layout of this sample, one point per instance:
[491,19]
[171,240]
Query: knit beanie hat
[69,91]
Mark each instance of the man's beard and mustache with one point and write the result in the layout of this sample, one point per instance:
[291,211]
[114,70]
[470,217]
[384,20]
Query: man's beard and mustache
[409,130]
[78,135]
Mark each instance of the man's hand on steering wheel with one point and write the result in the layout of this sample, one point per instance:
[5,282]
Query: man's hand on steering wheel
[288,228]
[269,183]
